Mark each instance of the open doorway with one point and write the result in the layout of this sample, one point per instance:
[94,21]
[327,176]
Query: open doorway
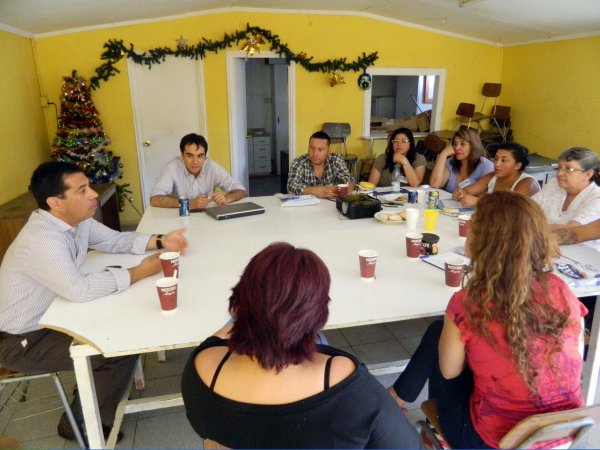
[267,123]
[261,113]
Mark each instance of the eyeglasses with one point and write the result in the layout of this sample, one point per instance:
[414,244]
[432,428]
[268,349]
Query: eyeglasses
[400,141]
[569,170]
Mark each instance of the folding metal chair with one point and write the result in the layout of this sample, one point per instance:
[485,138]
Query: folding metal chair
[19,394]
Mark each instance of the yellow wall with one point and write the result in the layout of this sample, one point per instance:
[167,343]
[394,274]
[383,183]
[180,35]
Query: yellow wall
[468,65]
[554,92]
[23,134]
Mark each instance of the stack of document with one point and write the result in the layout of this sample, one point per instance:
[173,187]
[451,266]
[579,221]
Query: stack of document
[299,200]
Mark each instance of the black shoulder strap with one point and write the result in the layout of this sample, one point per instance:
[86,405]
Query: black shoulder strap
[219,367]
[327,370]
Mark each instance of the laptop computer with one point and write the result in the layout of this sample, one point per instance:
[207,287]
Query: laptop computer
[233,210]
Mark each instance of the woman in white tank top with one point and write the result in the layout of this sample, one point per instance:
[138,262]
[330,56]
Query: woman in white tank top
[509,164]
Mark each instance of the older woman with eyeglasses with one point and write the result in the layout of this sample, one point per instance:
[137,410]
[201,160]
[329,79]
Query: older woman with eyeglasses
[573,197]
[401,152]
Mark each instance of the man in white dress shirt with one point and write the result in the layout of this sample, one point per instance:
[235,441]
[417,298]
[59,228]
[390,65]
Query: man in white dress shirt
[196,178]
[44,260]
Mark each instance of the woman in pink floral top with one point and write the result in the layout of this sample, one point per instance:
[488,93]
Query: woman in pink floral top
[509,344]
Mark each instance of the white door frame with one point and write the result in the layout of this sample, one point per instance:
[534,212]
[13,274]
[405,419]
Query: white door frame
[237,111]
[436,110]
[137,118]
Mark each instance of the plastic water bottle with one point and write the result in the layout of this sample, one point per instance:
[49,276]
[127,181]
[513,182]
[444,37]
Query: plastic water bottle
[396,179]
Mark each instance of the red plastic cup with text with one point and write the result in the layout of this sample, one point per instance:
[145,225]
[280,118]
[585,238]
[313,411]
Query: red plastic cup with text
[413,245]
[454,268]
[342,189]
[464,223]
[367,260]
[167,293]
[170,263]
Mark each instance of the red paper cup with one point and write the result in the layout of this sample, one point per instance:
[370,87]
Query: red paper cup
[170,263]
[455,269]
[464,223]
[342,189]
[413,245]
[167,293]
[367,259]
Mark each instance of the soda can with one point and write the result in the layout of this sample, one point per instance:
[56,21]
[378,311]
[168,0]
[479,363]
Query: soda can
[413,196]
[184,207]
[432,199]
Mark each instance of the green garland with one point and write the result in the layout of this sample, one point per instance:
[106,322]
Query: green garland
[116,50]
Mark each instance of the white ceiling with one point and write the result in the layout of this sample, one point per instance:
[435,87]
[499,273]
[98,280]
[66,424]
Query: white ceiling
[499,21]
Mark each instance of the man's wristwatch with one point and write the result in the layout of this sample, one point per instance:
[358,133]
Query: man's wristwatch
[159,244]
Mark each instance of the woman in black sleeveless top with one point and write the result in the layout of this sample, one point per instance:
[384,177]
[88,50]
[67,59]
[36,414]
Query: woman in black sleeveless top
[263,382]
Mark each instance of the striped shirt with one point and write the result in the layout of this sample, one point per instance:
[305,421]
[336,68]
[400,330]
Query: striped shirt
[175,180]
[43,262]
[302,173]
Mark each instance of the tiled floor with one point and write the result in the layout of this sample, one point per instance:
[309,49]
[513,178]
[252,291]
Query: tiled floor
[390,343]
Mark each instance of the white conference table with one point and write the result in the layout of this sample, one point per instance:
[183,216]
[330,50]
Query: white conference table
[131,322]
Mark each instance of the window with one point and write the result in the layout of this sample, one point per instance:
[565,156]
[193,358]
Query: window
[400,93]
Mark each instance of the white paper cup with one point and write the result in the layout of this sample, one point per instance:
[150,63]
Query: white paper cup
[412,217]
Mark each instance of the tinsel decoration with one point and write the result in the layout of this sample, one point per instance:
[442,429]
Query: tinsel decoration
[335,78]
[253,44]
[115,50]
[80,139]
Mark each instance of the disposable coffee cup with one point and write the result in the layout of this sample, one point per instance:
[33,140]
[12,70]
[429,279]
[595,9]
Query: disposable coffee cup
[454,267]
[170,263]
[167,292]
[342,189]
[412,216]
[413,245]
[422,196]
[367,260]
[431,216]
[464,223]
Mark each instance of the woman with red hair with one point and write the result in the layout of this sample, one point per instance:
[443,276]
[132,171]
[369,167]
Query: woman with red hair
[264,382]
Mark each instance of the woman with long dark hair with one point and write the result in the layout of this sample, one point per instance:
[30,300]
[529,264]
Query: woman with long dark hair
[402,152]
[509,343]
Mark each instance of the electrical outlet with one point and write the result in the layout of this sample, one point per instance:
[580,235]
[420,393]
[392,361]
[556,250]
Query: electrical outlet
[44,100]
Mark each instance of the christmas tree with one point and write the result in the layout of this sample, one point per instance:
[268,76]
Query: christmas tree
[80,139]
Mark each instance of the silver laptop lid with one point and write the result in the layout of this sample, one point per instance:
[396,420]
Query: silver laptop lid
[230,211]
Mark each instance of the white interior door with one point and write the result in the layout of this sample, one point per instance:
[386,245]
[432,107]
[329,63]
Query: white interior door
[168,103]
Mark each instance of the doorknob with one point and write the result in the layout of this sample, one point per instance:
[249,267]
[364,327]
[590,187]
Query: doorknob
[147,143]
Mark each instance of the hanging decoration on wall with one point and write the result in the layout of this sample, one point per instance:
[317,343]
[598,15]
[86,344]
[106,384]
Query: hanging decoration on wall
[181,43]
[115,50]
[364,81]
[335,78]
[253,44]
